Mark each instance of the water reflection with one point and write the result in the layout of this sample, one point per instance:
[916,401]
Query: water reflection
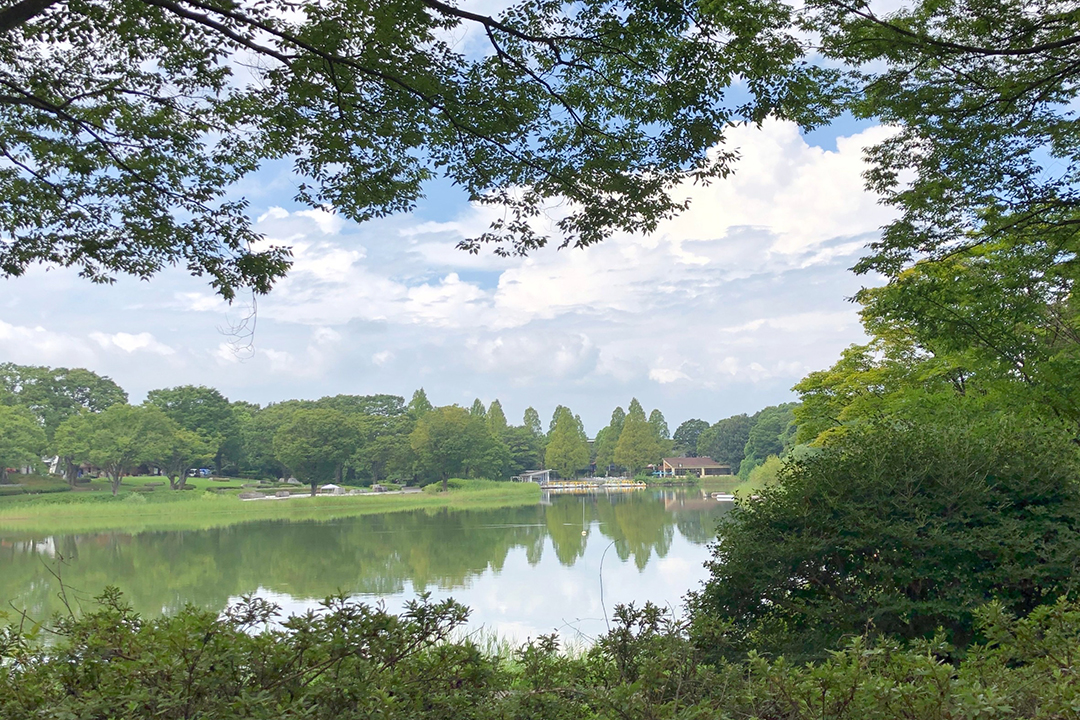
[491,559]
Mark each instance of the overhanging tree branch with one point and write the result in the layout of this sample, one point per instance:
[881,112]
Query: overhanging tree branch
[23,12]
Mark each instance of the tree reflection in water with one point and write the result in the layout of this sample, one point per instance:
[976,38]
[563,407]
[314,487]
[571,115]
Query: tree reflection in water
[371,555]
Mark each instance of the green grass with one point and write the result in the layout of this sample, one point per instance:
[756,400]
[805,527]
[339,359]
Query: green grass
[162,509]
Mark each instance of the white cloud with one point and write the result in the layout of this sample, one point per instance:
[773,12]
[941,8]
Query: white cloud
[731,302]
[31,343]
[200,302]
[667,375]
[131,343]
[325,336]
[329,222]
[525,356]
[274,213]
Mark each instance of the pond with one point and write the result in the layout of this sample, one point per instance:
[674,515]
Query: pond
[561,565]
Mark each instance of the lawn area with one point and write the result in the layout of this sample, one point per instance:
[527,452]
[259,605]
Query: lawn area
[39,484]
[163,509]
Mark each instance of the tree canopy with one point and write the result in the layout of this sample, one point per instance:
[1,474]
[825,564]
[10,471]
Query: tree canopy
[21,439]
[902,526]
[687,434]
[118,439]
[638,444]
[567,451]
[127,125]
[315,443]
[200,409]
[446,439]
[55,394]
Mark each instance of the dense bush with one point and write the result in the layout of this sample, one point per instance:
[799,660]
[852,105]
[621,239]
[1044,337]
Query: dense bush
[898,528]
[352,661]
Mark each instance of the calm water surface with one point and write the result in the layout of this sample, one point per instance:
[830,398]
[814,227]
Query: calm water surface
[523,571]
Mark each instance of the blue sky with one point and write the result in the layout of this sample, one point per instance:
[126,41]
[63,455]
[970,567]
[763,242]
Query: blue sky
[720,311]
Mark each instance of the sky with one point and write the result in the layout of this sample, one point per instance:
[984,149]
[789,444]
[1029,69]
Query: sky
[719,312]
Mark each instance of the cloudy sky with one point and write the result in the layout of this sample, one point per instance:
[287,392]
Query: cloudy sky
[721,311]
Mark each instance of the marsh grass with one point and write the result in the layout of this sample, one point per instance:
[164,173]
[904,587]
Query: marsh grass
[78,512]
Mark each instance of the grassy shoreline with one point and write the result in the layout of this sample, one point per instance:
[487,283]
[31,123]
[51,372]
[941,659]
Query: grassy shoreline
[197,510]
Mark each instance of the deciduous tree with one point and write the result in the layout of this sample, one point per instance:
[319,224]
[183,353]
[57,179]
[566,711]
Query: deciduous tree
[55,394]
[199,409]
[902,526]
[122,437]
[687,434]
[22,439]
[442,441]
[531,420]
[607,439]
[315,443]
[127,126]
[725,441]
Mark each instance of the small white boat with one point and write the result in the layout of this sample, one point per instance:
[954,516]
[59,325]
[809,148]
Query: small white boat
[723,497]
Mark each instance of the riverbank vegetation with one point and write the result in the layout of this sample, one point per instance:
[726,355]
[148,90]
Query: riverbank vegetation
[353,661]
[195,510]
[345,439]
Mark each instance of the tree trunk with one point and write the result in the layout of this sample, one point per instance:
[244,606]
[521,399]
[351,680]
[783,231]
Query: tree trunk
[3,475]
[313,484]
[70,472]
[114,480]
[445,488]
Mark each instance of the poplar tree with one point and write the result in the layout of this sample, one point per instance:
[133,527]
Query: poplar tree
[496,419]
[531,420]
[567,452]
[607,439]
[419,405]
[637,446]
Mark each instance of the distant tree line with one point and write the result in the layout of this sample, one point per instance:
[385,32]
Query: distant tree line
[742,442]
[85,419]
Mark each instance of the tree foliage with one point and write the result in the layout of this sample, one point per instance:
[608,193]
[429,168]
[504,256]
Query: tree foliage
[348,660]
[772,433]
[904,525]
[118,439]
[566,451]
[477,409]
[315,443]
[496,419]
[449,441]
[199,409]
[725,441]
[419,404]
[531,420]
[687,434]
[638,445]
[127,126]
[55,394]
[21,439]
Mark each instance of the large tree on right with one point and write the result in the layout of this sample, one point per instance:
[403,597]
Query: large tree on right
[982,170]
[902,526]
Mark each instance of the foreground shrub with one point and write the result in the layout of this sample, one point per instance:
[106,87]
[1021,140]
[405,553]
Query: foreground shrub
[348,661]
[899,529]
[351,661]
